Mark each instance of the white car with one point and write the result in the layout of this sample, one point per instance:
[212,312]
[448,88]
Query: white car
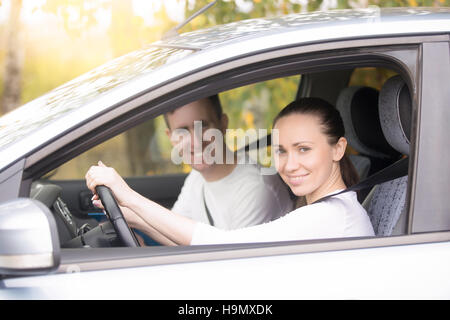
[47,252]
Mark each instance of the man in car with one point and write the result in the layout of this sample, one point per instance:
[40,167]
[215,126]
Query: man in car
[223,193]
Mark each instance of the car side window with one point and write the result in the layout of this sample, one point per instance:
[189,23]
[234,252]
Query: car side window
[141,151]
[145,150]
[251,110]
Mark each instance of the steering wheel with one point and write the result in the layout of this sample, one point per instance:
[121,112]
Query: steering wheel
[115,215]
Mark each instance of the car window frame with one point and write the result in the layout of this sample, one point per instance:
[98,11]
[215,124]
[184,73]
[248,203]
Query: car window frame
[432,206]
[134,105]
[379,49]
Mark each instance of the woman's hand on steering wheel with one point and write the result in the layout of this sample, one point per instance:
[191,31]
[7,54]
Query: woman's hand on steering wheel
[133,220]
[107,176]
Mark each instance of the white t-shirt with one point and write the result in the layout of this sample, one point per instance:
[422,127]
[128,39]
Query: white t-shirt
[242,198]
[337,217]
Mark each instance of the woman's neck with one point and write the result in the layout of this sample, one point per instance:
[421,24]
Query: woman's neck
[334,183]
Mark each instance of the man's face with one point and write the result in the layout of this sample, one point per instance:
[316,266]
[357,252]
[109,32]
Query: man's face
[184,118]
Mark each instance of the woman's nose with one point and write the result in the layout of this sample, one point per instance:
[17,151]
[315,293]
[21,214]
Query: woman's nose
[292,162]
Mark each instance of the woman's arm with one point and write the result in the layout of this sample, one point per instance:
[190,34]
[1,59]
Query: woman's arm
[321,220]
[161,222]
[146,228]
[134,221]
[157,221]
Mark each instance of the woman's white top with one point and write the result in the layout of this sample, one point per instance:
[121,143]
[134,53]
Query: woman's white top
[336,217]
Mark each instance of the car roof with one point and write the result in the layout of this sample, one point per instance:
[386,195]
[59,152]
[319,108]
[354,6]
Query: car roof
[92,94]
[238,31]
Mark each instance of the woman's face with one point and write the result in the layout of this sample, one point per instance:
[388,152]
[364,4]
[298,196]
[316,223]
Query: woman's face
[303,157]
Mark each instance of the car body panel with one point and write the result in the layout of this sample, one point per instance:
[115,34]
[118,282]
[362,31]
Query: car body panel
[372,21]
[431,202]
[397,272]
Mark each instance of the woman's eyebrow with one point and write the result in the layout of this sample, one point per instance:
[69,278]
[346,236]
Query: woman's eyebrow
[293,144]
[301,142]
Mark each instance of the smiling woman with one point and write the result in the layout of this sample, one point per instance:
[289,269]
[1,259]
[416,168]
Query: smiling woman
[311,151]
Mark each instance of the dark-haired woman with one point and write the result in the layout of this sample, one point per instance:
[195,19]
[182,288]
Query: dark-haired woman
[310,158]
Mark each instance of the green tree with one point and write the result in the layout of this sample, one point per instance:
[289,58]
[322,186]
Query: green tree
[12,74]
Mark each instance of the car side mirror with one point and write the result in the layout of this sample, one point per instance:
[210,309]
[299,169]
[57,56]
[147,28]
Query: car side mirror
[29,242]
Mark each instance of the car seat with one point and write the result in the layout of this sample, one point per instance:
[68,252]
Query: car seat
[358,107]
[385,204]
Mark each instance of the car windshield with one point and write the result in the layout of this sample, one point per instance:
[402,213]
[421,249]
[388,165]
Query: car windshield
[81,90]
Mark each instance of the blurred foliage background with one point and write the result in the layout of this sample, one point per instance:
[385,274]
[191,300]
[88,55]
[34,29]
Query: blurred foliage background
[46,43]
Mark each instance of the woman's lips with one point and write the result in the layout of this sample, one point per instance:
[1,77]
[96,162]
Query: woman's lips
[297,179]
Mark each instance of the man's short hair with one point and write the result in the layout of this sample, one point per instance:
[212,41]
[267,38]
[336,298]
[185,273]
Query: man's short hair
[215,103]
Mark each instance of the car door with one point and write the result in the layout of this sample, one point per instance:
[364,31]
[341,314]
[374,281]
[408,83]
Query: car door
[368,268]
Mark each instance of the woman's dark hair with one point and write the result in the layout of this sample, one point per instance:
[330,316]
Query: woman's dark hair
[332,125]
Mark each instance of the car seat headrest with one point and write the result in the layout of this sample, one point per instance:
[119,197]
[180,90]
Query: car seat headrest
[395,110]
[358,107]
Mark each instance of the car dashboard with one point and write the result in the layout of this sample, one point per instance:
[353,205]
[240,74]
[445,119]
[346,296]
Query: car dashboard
[73,232]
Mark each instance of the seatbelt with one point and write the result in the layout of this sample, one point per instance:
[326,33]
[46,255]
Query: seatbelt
[396,170]
[210,219]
